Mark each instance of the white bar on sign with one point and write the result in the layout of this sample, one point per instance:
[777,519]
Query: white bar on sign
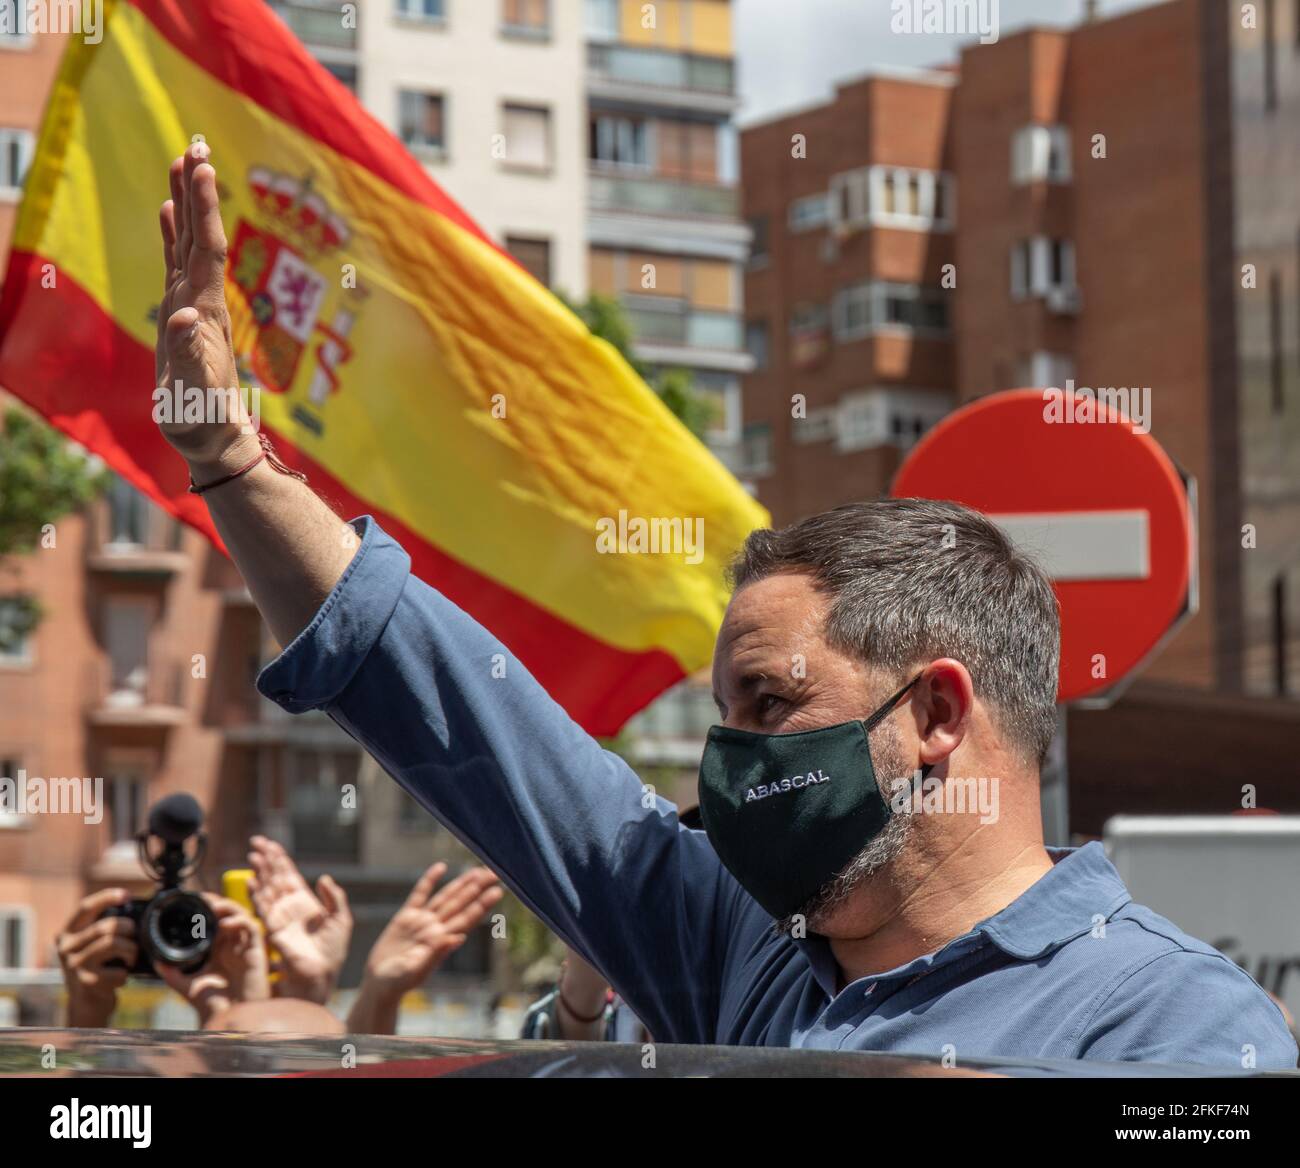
[1084,545]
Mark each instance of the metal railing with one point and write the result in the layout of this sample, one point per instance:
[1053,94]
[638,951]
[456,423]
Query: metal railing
[651,195]
[662,69]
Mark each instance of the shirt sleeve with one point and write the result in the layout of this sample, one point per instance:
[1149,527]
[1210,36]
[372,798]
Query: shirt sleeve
[569,827]
[1190,1007]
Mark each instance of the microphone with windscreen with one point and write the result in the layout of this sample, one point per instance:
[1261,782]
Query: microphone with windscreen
[173,927]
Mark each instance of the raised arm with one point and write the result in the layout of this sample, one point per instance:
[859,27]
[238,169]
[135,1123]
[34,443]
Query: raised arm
[434,697]
[289,546]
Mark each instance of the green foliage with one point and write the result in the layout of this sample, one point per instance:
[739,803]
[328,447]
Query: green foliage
[42,478]
[605,317]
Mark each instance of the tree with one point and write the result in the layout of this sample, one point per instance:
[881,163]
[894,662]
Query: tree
[42,478]
[606,318]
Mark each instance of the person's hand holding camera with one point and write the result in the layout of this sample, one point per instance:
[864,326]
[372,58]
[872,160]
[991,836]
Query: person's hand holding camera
[310,930]
[96,953]
[236,968]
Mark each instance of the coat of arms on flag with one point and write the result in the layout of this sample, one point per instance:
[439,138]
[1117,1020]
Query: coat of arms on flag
[279,313]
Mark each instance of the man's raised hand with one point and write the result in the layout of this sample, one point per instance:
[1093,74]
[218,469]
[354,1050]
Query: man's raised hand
[194,339]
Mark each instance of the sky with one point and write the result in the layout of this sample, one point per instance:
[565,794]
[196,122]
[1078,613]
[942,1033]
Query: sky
[788,61]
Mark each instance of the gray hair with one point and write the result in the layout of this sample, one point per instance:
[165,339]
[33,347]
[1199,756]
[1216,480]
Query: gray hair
[911,580]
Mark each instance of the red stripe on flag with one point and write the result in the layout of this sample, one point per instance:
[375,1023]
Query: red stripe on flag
[245,46]
[64,356]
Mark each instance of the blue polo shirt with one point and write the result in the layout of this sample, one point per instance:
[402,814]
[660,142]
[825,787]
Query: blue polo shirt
[1071,969]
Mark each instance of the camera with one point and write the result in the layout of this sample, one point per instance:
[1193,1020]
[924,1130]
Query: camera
[173,927]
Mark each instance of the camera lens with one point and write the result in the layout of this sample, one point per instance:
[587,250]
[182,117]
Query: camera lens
[178,928]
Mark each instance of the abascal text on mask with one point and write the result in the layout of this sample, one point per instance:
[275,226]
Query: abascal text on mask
[796,783]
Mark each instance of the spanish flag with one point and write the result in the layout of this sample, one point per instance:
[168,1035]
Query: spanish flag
[410,368]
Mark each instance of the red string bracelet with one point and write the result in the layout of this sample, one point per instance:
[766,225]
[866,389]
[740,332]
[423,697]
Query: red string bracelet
[267,454]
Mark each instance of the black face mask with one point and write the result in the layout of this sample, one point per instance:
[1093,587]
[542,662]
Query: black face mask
[787,812]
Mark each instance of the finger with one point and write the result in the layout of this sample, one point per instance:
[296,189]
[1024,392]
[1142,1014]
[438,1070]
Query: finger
[472,914]
[333,897]
[167,224]
[194,154]
[70,943]
[180,982]
[424,887]
[176,180]
[94,905]
[223,907]
[457,894]
[102,949]
[207,272]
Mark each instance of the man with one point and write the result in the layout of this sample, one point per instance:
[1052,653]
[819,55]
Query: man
[862,649]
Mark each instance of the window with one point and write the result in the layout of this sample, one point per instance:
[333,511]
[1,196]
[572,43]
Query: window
[1044,370]
[528,136]
[861,309]
[526,18]
[421,123]
[1040,154]
[15,157]
[17,620]
[16,929]
[887,417]
[821,425]
[620,141]
[758,253]
[808,318]
[892,197]
[534,256]
[128,515]
[127,622]
[810,213]
[602,20]
[756,448]
[756,342]
[1042,267]
[433,11]
[10,765]
[126,794]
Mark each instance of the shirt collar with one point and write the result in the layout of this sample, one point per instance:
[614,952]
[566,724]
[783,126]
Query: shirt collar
[1081,888]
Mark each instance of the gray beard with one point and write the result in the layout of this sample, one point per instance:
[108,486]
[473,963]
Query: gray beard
[887,759]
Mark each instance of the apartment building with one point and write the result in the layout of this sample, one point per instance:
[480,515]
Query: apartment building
[488,94]
[664,227]
[1117,204]
[853,207]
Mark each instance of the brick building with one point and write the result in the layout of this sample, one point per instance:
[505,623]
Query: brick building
[1099,191]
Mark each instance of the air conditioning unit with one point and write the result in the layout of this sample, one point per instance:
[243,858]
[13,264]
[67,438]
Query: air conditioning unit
[1065,301]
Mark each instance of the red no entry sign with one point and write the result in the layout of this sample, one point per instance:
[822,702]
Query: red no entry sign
[1095,501]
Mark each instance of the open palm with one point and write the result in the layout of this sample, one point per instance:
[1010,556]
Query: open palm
[311,930]
[430,927]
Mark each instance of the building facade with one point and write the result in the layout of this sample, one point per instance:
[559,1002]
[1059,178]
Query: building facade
[1117,204]
[664,227]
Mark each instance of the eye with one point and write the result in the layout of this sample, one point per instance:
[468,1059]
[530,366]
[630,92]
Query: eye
[769,703]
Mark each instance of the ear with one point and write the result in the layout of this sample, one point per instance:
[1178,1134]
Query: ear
[945,697]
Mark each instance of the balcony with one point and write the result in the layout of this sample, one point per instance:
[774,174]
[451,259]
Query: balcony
[674,322]
[662,77]
[127,535]
[148,696]
[318,26]
[649,195]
